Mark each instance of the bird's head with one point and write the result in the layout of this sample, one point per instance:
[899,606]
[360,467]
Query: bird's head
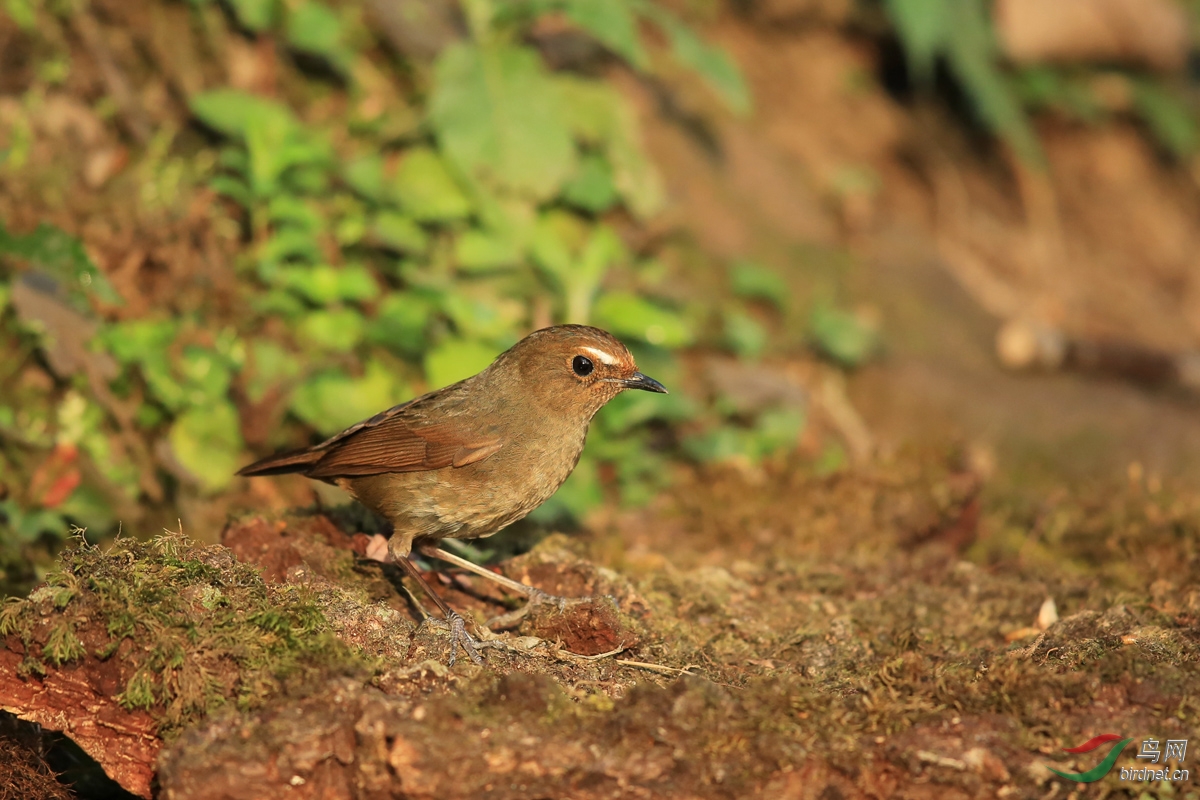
[573,366]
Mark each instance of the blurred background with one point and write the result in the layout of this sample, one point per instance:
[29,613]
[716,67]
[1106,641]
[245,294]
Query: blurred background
[836,229]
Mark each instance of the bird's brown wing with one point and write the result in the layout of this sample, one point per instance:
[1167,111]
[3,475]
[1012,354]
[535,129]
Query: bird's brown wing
[404,439]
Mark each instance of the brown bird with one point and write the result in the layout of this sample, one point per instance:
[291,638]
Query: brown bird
[464,461]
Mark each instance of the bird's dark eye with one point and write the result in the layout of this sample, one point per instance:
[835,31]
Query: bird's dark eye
[582,366]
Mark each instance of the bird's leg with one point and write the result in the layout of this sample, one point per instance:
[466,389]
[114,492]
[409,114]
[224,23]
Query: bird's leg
[458,626]
[433,551]
[535,596]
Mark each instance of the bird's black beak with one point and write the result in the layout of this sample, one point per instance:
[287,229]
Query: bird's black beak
[644,382]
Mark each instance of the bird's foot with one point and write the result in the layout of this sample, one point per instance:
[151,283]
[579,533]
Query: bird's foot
[459,637]
[537,598]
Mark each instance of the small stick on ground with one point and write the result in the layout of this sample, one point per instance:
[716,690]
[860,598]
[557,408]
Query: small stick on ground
[661,669]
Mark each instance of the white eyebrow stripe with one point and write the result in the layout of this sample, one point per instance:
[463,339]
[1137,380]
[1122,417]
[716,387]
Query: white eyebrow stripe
[601,356]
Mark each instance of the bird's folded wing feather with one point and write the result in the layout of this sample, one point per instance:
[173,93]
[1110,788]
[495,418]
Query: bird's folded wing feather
[402,439]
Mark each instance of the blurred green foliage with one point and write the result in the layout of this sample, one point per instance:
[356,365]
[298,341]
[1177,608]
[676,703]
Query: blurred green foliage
[62,258]
[959,35]
[422,259]
[843,337]
[386,253]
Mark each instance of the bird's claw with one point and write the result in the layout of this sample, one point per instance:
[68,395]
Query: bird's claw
[459,637]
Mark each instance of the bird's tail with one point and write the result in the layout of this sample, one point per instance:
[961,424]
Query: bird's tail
[282,463]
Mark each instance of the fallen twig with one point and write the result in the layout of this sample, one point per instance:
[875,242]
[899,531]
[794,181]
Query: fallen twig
[661,669]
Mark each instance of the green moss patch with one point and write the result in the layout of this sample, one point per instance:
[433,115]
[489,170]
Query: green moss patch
[175,628]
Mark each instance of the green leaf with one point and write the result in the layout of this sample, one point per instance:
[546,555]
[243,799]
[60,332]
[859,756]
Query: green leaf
[636,317]
[273,366]
[497,117]
[90,506]
[206,375]
[924,29]
[427,190]
[755,282]
[287,244]
[718,444]
[164,385]
[745,335]
[975,60]
[777,430]
[337,330]
[207,442]
[400,322]
[455,359]
[1168,116]
[331,401]
[62,257]
[286,209]
[842,336]
[613,24]
[137,340]
[598,115]
[232,112]
[711,63]
[399,233]
[326,284]
[558,236]
[235,189]
[1041,87]
[278,303]
[479,251]
[307,168]
[254,15]
[484,316]
[150,416]
[275,141]
[960,30]
[275,147]
[234,160]
[23,13]
[635,176]
[364,175]
[508,216]
[576,257]
[28,525]
[592,187]
[603,250]
[314,28]
[774,431]
[592,109]
[350,225]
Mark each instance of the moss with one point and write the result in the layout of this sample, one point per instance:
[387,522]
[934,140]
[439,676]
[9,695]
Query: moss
[62,645]
[10,615]
[139,691]
[187,627]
